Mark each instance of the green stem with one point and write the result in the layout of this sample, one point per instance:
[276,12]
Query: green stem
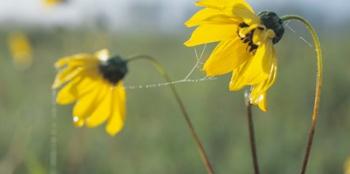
[252,133]
[315,111]
[195,136]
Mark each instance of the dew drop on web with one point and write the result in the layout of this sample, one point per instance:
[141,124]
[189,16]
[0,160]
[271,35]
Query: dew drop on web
[53,135]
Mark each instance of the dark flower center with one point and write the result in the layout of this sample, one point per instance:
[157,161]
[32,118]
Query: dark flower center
[273,22]
[114,69]
[248,39]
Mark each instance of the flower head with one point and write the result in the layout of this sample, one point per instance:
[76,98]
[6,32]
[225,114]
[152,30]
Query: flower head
[20,49]
[94,83]
[245,45]
[347,166]
[51,3]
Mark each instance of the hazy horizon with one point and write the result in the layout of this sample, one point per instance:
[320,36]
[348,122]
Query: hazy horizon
[122,13]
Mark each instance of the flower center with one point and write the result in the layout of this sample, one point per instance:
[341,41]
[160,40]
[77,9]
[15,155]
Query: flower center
[273,22]
[114,69]
[247,38]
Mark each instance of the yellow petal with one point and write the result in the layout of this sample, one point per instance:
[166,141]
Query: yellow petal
[65,75]
[256,69]
[218,4]
[208,33]
[227,56]
[262,102]
[87,84]
[220,20]
[260,36]
[246,13]
[76,60]
[88,102]
[261,88]
[102,110]
[258,93]
[78,122]
[122,99]
[60,63]
[201,15]
[222,4]
[68,94]
[347,166]
[116,122]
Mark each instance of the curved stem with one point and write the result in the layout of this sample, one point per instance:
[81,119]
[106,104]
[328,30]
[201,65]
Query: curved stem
[195,136]
[251,133]
[314,118]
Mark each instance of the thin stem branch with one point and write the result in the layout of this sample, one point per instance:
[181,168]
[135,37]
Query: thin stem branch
[315,111]
[252,134]
[195,136]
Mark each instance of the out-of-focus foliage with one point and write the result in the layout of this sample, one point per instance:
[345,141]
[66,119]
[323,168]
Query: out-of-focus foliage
[155,138]
[21,49]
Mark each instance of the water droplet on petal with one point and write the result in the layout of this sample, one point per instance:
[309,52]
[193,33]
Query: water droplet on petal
[78,122]
[259,99]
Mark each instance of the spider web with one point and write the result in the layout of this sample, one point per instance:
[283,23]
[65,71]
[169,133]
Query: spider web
[199,58]
[299,36]
[53,135]
[187,79]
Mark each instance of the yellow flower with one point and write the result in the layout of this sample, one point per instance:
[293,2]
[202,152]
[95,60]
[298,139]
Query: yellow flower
[93,82]
[20,49]
[347,167]
[51,3]
[245,45]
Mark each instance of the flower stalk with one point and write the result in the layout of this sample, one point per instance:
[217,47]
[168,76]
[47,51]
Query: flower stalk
[318,87]
[164,74]
[251,133]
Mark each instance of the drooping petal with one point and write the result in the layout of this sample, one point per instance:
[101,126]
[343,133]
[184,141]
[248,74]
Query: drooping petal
[68,93]
[77,60]
[116,122]
[246,13]
[262,102]
[208,33]
[78,122]
[256,69]
[87,103]
[261,88]
[227,56]
[201,15]
[102,110]
[122,99]
[258,93]
[222,4]
[213,16]
[65,75]
[87,84]
[216,4]
[262,35]
[66,60]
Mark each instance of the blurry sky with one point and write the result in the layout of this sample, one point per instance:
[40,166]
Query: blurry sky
[124,13]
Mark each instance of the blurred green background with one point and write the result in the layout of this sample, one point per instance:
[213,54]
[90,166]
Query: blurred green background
[155,138]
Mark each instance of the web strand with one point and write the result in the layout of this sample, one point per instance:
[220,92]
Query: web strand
[299,36]
[53,136]
[186,79]
[198,64]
